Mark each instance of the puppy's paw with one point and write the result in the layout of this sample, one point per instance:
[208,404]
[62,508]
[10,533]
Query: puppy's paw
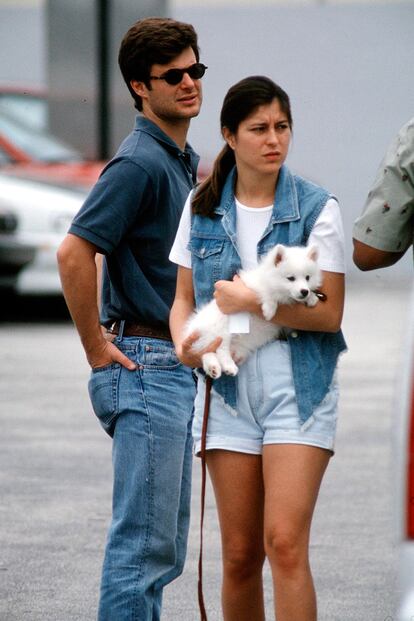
[312,299]
[213,370]
[230,369]
[211,365]
[268,310]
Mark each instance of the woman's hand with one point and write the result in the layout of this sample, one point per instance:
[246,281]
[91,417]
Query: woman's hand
[191,358]
[232,296]
[181,310]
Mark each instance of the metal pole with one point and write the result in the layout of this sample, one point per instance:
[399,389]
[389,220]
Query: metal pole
[103,90]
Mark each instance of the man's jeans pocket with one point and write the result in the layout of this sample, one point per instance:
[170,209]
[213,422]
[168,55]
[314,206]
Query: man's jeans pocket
[103,393]
[158,355]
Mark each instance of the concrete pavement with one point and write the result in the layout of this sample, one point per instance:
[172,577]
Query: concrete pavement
[55,479]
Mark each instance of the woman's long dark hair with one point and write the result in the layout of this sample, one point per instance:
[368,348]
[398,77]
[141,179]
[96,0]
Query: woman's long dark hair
[240,102]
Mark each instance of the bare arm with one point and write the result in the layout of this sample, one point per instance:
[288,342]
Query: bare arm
[99,278]
[234,296]
[99,269]
[78,273]
[368,258]
[181,310]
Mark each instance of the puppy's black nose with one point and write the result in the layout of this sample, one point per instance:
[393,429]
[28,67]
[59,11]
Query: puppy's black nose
[304,292]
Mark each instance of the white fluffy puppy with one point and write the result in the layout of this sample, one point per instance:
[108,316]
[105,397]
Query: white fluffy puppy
[286,274]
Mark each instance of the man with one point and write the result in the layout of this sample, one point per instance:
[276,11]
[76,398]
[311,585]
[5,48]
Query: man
[141,393]
[385,230]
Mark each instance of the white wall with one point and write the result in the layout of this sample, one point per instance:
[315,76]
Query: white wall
[348,70]
[23,42]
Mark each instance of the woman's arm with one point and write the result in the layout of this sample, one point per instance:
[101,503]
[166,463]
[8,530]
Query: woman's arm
[325,316]
[181,310]
[234,296]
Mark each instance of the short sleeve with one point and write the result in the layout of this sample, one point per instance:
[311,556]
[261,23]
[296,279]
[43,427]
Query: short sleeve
[387,221]
[328,235]
[179,252]
[123,191]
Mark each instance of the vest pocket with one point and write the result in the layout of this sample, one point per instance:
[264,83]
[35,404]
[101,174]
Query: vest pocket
[203,248]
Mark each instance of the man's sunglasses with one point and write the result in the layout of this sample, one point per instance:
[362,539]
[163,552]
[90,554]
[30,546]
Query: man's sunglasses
[174,76]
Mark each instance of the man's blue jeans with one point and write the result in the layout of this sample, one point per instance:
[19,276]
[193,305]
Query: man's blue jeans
[148,413]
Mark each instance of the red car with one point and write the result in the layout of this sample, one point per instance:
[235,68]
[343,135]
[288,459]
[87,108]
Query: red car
[28,149]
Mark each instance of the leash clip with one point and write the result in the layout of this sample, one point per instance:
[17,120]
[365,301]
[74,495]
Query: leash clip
[320,295]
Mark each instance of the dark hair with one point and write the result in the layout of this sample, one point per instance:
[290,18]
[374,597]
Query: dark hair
[240,102]
[153,40]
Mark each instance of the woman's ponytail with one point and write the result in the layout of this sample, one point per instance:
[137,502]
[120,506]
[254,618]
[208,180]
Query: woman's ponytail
[207,195]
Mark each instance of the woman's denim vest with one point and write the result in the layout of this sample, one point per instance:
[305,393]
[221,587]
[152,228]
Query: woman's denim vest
[213,247]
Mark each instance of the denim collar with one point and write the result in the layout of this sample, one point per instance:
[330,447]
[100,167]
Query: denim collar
[285,206]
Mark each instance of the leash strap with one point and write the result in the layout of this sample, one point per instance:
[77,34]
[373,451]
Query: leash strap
[203,614]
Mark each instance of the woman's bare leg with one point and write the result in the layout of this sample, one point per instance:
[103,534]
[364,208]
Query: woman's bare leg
[238,487]
[292,476]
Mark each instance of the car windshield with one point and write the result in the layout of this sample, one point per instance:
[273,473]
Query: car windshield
[38,144]
[25,108]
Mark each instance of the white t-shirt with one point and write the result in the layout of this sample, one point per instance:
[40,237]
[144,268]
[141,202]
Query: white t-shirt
[327,234]
[250,224]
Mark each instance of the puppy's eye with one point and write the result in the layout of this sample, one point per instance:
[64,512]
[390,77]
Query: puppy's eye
[291,278]
[307,277]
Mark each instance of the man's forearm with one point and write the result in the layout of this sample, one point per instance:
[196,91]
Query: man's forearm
[368,258]
[79,282]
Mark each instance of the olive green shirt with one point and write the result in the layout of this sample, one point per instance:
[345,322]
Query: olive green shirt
[387,221]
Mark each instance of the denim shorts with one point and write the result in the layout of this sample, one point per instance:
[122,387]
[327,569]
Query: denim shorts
[267,411]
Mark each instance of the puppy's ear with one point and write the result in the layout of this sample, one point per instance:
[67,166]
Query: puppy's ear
[313,253]
[280,253]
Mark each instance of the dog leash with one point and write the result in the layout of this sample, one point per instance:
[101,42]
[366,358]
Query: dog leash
[209,381]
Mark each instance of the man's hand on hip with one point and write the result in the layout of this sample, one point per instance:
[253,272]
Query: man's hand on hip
[108,354]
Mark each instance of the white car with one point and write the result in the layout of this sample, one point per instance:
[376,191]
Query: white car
[404,475]
[43,214]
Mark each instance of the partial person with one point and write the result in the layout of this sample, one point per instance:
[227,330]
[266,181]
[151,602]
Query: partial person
[142,394]
[385,230]
[272,427]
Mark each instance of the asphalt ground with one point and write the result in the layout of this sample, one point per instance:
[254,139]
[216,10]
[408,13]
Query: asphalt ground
[55,475]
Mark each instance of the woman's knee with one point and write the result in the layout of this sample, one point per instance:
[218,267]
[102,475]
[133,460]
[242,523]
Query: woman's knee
[286,549]
[242,560]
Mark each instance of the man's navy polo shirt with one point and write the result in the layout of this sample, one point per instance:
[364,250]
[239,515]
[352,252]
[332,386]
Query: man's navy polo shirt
[132,215]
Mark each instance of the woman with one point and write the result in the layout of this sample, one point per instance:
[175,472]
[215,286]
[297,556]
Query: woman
[267,462]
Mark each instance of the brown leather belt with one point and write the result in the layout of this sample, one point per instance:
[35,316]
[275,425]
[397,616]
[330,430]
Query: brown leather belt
[138,329]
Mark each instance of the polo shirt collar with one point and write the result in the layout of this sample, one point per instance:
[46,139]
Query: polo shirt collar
[145,125]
